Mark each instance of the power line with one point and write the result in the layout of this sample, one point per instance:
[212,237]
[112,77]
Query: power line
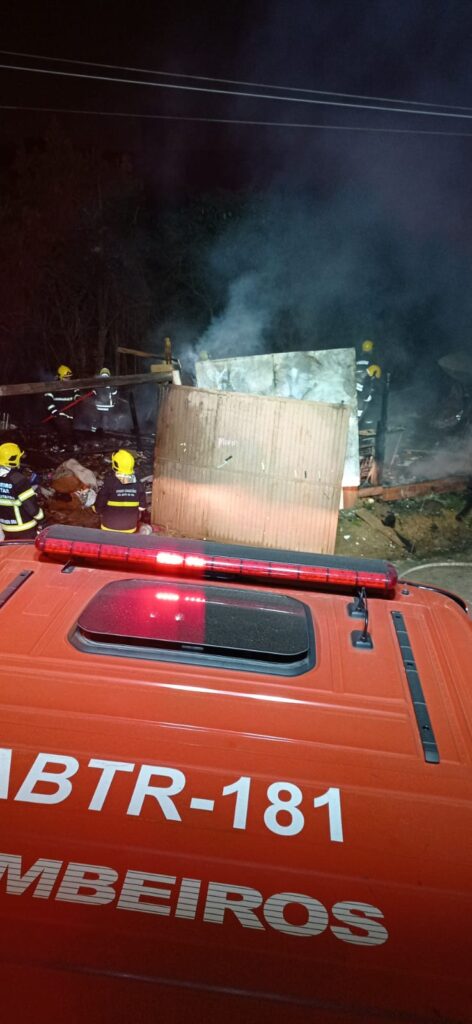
[232,81]
[227,120]
[229,92]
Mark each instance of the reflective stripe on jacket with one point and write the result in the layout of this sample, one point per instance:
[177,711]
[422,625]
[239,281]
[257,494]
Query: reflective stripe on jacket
[56,402]
[119,503]
[19,508]
[105,399]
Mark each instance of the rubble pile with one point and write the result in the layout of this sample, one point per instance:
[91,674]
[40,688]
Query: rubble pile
[68,476]
[70,493]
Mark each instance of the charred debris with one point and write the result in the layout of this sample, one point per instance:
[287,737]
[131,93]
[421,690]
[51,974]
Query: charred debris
[405,506]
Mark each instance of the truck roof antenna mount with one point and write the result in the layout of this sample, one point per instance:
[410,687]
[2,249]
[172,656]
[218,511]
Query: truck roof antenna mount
[361,638]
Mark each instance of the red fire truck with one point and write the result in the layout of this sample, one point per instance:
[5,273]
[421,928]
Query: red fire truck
[235,784]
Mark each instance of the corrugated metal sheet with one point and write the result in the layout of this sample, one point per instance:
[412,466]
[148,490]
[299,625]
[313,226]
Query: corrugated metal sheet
[324,375]
[250,470]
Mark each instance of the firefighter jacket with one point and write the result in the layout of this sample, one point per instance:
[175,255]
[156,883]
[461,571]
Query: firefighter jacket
[364,385]
[57,401]
[19,508]
[119,502]
[105,399]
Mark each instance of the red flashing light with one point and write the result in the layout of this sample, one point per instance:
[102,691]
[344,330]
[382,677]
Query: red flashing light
[194,562]
[169,558]
[214,566]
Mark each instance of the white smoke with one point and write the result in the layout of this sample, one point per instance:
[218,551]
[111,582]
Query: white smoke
[239,330]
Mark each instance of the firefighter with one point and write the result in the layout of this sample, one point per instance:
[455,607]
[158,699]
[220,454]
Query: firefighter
[20,513]
[105,401]
[368,374]
[122,499]
[57,401]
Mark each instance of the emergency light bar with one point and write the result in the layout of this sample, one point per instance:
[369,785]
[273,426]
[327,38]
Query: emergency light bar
[207,560]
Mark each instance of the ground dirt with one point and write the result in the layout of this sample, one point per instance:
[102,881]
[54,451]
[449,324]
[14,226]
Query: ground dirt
[435,549]
[425,528]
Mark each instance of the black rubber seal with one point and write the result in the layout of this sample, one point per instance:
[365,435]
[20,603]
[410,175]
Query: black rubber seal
[423,721]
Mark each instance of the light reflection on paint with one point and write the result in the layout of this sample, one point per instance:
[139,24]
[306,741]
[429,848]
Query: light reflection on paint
[270,698]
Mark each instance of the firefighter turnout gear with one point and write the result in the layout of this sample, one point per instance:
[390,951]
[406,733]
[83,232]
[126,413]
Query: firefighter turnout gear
[57,401]
[122,498]
[20,512]
[367,374]
[105,398]
[10,454]
[63,372]
[122,461]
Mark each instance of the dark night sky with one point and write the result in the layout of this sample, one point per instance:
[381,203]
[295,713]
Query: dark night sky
[410,49]
[343,187]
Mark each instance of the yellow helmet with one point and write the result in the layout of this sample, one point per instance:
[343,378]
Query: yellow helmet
[10,454]
[374,371]
[63,372]
[367,346]
[123,462]
[104,372]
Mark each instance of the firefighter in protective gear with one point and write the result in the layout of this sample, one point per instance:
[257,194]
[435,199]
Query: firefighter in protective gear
[367,373]
[122,499]
[105,401]
[63,372]
[20,512]
[57,402]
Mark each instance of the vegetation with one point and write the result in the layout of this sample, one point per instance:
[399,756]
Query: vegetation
[88,263]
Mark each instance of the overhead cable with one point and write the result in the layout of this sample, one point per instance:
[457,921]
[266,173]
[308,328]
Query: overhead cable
[230,92]
[232,81]
[236,121]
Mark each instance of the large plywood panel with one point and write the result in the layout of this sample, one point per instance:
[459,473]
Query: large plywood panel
[327,375]
[243,469]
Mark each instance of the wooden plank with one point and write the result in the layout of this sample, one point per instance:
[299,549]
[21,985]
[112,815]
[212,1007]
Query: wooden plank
[140,353]
[370,492]
[85,383]
[425,487]
[375,524]
[415,490]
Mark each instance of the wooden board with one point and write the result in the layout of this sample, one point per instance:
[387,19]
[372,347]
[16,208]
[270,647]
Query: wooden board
[375,524]
[85,383]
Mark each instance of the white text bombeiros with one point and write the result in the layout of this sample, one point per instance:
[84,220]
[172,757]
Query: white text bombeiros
[190,899]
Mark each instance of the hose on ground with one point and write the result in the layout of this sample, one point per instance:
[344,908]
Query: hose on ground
[436,565]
